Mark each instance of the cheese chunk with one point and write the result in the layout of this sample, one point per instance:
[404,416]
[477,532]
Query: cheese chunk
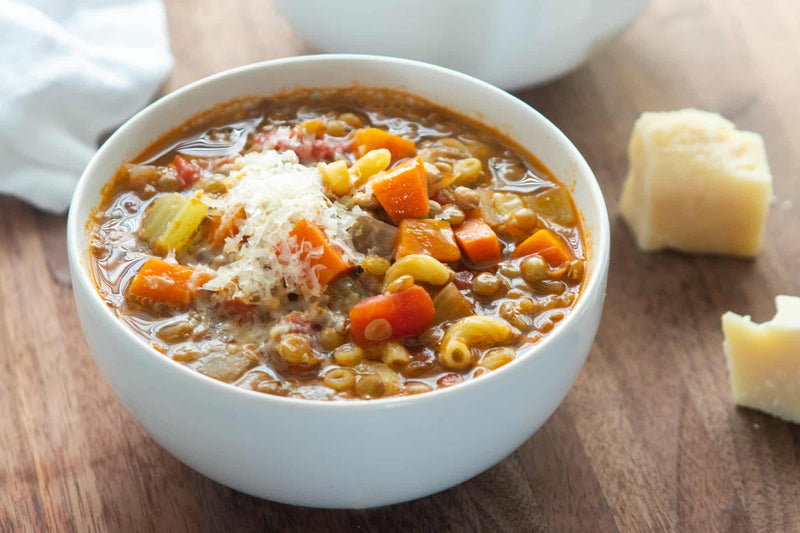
[764,360]
[696,184]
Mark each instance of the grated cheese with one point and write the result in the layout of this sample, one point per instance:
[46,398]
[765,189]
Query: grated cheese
[276,192]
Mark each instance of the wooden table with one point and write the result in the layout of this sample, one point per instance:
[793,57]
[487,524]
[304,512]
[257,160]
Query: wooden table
[648,439]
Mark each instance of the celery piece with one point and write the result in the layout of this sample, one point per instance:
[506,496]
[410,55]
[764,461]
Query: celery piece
[180,229]
[159,214]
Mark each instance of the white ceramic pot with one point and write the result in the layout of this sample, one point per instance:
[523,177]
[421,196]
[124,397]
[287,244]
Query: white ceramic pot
[355,453]
[511,43]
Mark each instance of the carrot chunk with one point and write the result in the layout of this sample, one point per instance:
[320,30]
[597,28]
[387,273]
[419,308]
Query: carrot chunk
[161,282]
[547,244]
[373,138]
[391,315]
[224,225]
[478,241]
[326,265]
[429,237]
[403,190]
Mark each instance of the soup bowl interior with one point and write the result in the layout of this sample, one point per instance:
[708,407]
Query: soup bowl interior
[352,453]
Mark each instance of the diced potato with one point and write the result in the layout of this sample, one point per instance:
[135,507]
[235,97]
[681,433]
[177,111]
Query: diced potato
[553,204]
[228,367]
[507,203]
[450,304]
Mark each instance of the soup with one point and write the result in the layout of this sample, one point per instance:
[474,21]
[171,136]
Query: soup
[337,244]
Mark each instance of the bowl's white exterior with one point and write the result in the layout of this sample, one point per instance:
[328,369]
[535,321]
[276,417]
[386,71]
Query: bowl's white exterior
[511,43]
[343,454]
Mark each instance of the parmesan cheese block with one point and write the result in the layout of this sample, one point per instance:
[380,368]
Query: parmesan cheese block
[696,184]
[764,360]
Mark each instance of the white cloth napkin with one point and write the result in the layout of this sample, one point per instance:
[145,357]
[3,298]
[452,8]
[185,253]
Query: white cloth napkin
[69,71]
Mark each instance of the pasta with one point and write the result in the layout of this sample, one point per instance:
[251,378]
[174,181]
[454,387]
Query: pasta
[466,171]
[472,331]
[336,176]
[370,164]
[420,267]
[340,379]
[395,354]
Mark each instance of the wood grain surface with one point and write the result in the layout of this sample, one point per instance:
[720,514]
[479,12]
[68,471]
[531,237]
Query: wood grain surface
[647,440]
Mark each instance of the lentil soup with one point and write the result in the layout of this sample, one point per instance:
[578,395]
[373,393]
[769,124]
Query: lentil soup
[337,244]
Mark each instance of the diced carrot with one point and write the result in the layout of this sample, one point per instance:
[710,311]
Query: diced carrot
[327,265]
[161,282]
[547,244]
[223,225]
[400,314]
[478,241]
[403,190]
[373,138]
[426,236]
[186,172]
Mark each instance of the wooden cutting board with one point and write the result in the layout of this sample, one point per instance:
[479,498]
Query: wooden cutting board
[647,439]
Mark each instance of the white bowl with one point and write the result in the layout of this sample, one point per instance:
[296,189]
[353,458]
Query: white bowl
[356,453]
[511,43]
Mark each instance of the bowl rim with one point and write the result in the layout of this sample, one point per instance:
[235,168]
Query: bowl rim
[81,273]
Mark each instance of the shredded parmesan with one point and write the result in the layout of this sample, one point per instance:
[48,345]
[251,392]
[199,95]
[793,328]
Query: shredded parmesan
[276,192]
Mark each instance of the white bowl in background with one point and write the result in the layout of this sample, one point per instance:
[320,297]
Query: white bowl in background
[511,43]
[353,453]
